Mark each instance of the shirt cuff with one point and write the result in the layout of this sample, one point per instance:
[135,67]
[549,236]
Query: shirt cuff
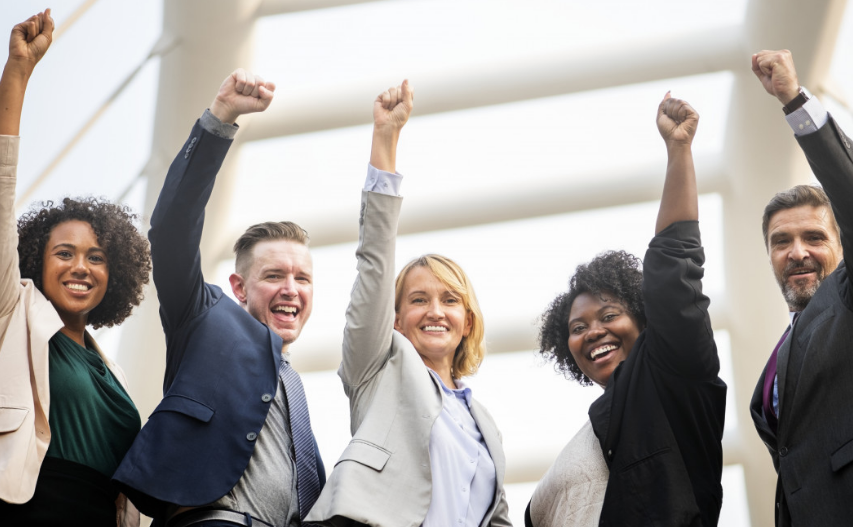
[9,150]
[808,118]
[382,182]
[212,124]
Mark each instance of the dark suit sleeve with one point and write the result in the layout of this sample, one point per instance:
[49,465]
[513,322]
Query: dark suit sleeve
[176,226]
[829,153]
[678,327]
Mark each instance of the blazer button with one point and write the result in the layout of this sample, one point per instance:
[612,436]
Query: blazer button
[266,397]
[610,454]
[251,436]
[783,451]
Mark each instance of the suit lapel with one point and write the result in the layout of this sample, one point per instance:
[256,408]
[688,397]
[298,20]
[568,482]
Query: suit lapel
[493,442]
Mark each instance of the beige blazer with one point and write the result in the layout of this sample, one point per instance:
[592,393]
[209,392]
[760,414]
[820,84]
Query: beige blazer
[383,478]
[27,322]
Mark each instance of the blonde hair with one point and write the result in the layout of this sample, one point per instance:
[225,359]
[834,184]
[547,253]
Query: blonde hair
[471,350]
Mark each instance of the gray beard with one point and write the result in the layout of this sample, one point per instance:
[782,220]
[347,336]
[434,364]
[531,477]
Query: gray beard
[798,296]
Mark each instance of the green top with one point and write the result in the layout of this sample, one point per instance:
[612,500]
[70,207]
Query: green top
[92,419]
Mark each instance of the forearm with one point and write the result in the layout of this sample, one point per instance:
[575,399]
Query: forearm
[13,85]
[679,201]
[383,151]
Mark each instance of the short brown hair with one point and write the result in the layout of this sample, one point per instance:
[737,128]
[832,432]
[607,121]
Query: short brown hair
[798,196]
[471,350]
[268,230]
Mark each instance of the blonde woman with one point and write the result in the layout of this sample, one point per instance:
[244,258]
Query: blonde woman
[423,452]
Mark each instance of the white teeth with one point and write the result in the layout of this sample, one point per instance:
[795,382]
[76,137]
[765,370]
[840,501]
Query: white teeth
[602,350]
[435,328]
[286,309]
[77,287]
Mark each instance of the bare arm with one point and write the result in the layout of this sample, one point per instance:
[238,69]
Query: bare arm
[677,122]
[27,45]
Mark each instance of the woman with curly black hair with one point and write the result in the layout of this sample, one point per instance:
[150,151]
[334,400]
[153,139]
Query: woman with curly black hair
[66,419]
[650,453]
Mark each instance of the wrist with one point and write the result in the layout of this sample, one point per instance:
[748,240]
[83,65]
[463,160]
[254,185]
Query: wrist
[19,69]
[223,112]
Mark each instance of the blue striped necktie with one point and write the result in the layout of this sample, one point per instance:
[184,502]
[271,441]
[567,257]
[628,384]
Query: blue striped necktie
[307,480]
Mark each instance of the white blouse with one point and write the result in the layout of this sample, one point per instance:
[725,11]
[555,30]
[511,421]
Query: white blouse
[571,493]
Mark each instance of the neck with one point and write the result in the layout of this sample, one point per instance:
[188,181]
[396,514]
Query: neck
[75,334]
[443,368]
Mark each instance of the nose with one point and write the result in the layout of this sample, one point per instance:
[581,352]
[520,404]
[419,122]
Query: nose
[799,251]
[288,287]
[595,332]
[80,266]
[435,309]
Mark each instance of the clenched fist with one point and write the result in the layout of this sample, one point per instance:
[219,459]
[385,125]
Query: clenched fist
[393,106]
[241,93]
[677,121]
[775,70]
[30,39]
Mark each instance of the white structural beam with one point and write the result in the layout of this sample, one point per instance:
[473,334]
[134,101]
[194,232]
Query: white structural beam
[213,37]
[280,7]
[762,159]
[483,84]
[574,195]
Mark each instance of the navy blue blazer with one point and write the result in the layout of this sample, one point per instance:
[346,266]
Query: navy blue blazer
[221,363]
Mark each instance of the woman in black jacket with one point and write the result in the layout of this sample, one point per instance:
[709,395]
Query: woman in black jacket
[651,452]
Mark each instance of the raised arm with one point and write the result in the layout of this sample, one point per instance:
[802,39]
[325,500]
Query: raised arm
[27,45]
[828,150]
[677,122]
[370,315]
[178,218]
[676,309]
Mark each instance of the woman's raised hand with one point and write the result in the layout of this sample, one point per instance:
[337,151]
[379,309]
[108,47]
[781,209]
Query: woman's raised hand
[393,106]
[30,39]
[677,121]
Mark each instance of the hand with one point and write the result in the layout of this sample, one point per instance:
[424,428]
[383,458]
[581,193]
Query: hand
[393,106]
[775,70]
[241,93]
[30,39]
[677,121]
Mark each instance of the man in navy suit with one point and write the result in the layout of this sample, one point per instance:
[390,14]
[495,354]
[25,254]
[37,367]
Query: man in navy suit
[230,443]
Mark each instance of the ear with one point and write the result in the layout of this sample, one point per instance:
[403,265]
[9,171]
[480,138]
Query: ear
[238,286]
[397,322]
[469,323]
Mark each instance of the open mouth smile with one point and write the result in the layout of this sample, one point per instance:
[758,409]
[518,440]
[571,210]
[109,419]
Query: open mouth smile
[602,351]
[287,312]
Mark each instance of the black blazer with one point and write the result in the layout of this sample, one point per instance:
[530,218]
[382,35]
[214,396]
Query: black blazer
[813,447]
[221,363]
[660,419]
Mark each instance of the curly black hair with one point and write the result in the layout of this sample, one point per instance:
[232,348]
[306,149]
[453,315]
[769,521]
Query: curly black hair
[613,272]
[128,255]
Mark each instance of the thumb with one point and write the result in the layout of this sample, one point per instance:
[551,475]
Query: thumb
[408,93]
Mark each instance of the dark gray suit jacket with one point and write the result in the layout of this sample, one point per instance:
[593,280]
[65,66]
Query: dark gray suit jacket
[813,447]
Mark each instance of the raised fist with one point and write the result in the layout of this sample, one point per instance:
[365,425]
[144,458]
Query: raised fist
[30,39]
[393,106]
[775,70]
[677,121]
[241,93]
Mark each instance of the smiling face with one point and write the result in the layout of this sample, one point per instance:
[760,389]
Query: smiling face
[278,287]
[432,317]
[601,334]
[804,249]
[75,271]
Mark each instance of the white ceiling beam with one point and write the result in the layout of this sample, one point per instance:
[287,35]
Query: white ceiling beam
[426,214]
[484,84]
[280,7]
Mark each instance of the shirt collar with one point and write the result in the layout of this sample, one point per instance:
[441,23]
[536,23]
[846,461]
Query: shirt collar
[462,391]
